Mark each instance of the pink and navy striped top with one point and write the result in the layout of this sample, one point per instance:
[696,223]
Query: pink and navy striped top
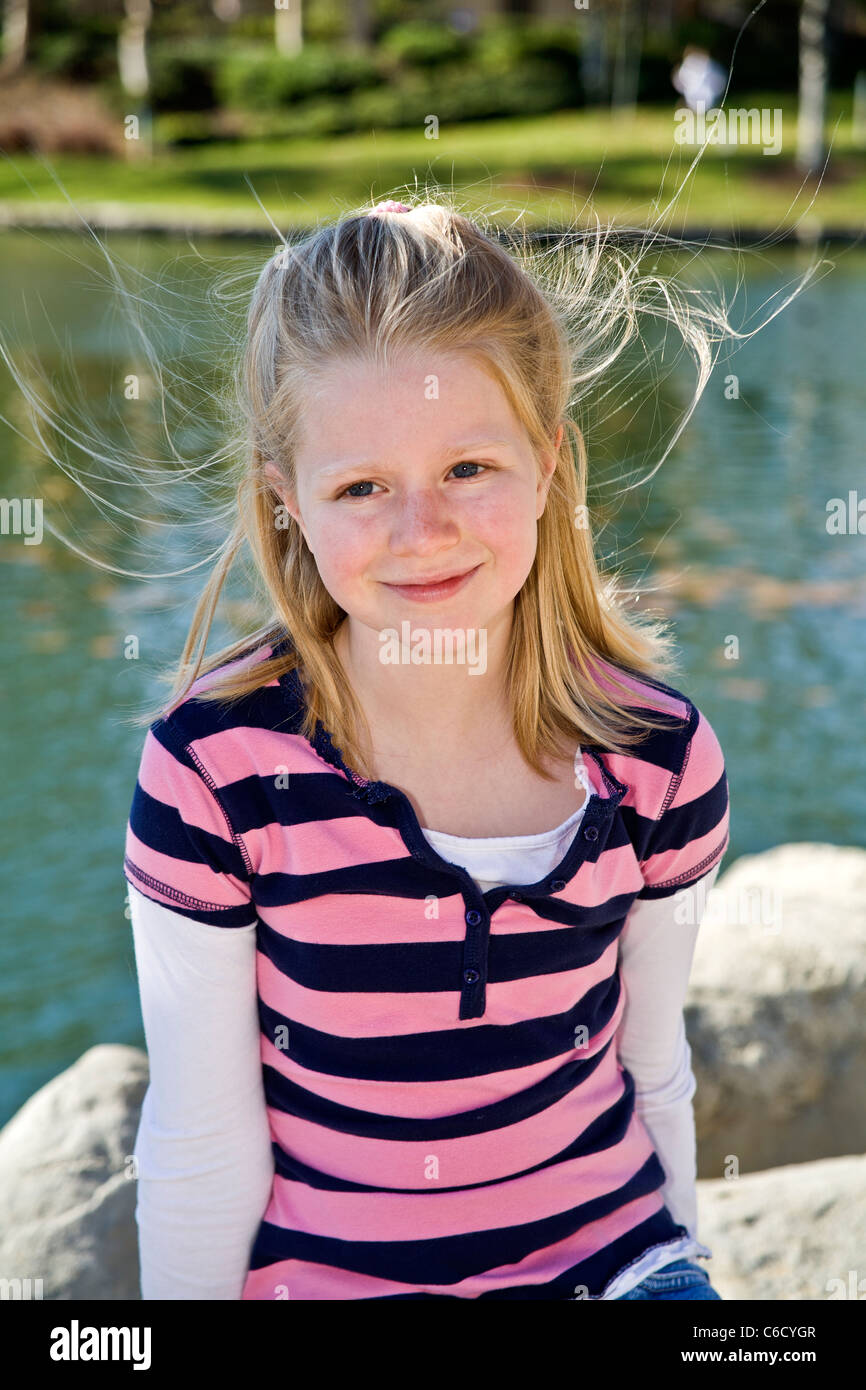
[447,1111]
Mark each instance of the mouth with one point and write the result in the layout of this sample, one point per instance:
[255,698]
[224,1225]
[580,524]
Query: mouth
[427,589]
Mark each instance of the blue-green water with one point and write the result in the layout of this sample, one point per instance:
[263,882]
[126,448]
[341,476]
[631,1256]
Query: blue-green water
[731,534]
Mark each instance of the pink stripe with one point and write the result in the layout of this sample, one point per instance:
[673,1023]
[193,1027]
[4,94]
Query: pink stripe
[196,880]
[321,846]
[209,678]
[361,1014]
[265,752]
[168,781]
[698,854]
[309,1281]
[296,1206]
[704,765]
[605,672]
[429,1099]
[339,919]
[647,784]
[487,1157]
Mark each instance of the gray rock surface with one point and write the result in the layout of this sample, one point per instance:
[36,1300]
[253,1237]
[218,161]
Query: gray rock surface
[797,1232]
[67,1200]
[776,1010]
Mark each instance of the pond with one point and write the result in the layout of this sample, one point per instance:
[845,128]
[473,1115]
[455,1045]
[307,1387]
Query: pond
[730,537]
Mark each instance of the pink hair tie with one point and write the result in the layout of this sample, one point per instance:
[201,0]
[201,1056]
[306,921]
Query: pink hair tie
[388,205]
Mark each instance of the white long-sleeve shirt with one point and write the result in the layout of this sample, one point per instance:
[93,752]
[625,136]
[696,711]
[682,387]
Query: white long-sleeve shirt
[205,1164]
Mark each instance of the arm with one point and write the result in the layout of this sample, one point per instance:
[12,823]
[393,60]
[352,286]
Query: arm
[681,847]
[656,947]
[203,1146]
[205,1164]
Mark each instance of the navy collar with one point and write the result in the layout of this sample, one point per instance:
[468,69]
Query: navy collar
[372,792]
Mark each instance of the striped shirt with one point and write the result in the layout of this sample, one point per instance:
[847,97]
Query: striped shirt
[447,1112]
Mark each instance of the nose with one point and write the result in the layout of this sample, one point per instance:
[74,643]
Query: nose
[422,523]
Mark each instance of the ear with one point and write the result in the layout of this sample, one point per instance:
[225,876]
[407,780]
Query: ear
[548,468]
[274,476]
[278,482]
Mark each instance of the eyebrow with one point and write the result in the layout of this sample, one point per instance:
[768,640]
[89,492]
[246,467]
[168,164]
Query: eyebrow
[472,445]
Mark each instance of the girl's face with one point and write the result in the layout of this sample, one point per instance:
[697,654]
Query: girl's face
[417,473]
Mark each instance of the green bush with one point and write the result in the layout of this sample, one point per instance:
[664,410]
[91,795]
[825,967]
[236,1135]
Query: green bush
[86,52]
[420,44]
[462,94]
[182,74]
[505,42]
[257,79]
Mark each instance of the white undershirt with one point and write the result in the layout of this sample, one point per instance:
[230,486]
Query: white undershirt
[203,1148]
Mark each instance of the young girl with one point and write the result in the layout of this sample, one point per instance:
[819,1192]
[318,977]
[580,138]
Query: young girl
[413,932]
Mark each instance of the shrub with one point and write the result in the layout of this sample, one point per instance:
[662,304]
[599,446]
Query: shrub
[259,79]
[182,74]
[420,44]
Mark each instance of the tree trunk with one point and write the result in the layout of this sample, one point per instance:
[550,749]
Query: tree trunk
[361,26]
[593,53]
[627,66]
[813,85]
[15,25]
[132,48]
[289,27]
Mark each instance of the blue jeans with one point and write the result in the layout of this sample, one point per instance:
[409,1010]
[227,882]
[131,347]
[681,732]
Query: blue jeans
[680,1279]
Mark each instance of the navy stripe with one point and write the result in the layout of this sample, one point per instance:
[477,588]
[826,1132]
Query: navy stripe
[451,1259]
[606,1130]
[446,1054]
[161,828]
[426,967]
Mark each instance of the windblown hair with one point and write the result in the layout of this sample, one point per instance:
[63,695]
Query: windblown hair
[546,325]
[548,322]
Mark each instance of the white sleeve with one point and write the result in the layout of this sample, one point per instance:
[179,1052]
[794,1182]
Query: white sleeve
[203,1148]
[656,947]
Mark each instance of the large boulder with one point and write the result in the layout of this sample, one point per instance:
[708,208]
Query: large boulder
[67,1190]
[797,1232]
[776,1011]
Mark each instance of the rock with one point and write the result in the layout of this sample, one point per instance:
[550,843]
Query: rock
[796,1232]
[775,1010]
[67,1199]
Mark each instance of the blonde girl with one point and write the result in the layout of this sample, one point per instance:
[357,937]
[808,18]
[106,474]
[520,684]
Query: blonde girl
[408,865]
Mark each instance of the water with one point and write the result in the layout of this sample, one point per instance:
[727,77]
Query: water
[732,530]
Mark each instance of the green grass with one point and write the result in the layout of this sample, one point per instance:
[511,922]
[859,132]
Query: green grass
[554,168]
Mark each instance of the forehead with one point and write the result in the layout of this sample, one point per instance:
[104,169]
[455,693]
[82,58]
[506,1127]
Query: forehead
[431,401]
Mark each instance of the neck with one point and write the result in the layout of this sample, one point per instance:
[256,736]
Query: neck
[429,703]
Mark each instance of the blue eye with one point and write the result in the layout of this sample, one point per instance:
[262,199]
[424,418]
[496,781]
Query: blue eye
[350,490]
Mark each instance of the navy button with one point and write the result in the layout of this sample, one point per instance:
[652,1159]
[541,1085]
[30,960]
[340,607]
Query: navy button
[517,897]
[470,976]
[473,917]
[557,885]
[591,832]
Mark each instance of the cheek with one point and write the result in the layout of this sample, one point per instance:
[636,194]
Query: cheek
[506,525]
[344,548]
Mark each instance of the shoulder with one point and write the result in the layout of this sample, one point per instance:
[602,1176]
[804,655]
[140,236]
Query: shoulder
[679,759]
[200,721]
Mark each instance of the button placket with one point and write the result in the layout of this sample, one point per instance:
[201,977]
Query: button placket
[477,939]
[472,994]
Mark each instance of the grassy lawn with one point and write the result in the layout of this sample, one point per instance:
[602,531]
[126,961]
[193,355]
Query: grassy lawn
[554,168]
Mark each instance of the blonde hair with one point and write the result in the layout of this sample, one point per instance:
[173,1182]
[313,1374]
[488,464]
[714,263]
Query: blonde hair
[547,326]
[548,323]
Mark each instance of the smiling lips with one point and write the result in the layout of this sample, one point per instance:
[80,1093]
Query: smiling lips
[433,589]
